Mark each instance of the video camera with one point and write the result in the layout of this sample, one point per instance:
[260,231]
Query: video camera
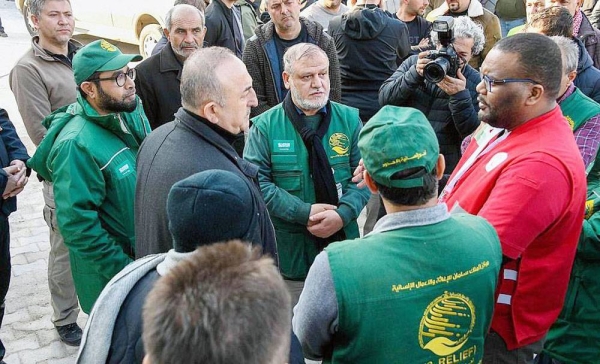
[444,61]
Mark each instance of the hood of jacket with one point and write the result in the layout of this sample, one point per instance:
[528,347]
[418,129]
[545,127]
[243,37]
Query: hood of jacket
[364,22]
[56,122]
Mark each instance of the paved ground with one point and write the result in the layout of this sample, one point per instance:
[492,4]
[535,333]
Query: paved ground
[27,331]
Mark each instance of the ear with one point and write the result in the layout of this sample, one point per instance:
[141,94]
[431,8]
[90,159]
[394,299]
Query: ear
[211,111]
[535,95]
[440,166]
[166,32]
[286,79]
[571,76]
[89,88]
[35,21]
[370,183]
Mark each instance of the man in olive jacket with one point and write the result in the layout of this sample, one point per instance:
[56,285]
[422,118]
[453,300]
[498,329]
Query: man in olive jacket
[306,150]
[89,154]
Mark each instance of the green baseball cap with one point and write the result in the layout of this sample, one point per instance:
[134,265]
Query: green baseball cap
[99,56]
[397,139]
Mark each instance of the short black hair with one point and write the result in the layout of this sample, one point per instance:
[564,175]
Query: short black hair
[413,196]
[539,57]
[554,21]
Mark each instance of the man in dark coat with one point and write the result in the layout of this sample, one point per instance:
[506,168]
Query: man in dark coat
[217,94]
[159,77]
[369,43]
[224,26]
[450,105]
[13,178]
[264,52]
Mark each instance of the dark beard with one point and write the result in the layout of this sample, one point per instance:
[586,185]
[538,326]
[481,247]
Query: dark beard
[109,103]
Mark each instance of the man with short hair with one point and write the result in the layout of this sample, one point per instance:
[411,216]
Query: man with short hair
[354,288]
[323,11]
[89,154]
[216,97]
[306,150]
[199,4]
[264,52]
[369,44]
[42,81]
[411,13]
[480,15]
[251,327]
[531,7]
[556,21]
[506,175]
[582,27]
[224,26]
[159,77]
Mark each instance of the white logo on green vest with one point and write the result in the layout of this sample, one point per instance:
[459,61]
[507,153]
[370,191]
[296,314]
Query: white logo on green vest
[283,146]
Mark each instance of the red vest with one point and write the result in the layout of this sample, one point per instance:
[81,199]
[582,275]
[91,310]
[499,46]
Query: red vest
[531,187]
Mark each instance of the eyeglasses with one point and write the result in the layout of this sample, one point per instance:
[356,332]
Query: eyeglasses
[488,82]
[120,78]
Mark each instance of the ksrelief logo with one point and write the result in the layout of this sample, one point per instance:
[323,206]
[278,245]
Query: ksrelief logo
[447,324]
[339,143]
[107,46]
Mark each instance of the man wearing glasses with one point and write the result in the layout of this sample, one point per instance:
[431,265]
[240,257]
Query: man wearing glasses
[527,179]
[89,153]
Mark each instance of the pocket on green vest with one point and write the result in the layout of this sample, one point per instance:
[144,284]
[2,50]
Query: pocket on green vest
[296,254]
[290,181]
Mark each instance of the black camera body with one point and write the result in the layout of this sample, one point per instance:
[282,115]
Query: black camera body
[445,61]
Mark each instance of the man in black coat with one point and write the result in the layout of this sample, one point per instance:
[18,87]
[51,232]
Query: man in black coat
[159,77]
[13,177]
[369,44]
[216,97]
[224,26]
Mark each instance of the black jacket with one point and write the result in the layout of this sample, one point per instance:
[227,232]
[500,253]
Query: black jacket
[588,76]
[368,44]
[157,84]
[11,148]
[171,153]
[219,27]
[452,117]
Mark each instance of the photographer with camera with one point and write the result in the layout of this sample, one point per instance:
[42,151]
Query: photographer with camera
[441,84]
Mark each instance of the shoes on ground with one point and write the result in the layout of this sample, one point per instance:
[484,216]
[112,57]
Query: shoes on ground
[3,35]
[70,334]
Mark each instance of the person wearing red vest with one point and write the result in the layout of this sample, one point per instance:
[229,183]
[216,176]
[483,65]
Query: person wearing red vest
[522,175]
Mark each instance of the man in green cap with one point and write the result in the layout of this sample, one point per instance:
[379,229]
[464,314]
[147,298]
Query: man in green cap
[420,287]
[89,154]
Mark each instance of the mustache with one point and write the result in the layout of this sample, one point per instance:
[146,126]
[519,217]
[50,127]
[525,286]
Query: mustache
[185,45]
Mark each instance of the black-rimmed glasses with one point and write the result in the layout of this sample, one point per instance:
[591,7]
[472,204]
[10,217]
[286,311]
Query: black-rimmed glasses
[120,78]
[489,82]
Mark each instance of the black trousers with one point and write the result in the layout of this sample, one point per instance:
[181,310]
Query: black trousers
[4,269]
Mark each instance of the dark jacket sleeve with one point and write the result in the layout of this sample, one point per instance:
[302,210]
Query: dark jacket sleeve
[14,147]
[403,49]
[251,58]
[398,89]
[147,94]
[214,28]
[335,80]
[464,106]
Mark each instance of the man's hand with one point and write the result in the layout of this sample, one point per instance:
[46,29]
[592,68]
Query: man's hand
[317,208]
[324,224]
[451,85]
[359,175]
[422,61]
[22,172]
[14,183]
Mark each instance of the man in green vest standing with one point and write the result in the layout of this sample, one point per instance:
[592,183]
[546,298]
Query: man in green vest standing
[420,287]
[306,149]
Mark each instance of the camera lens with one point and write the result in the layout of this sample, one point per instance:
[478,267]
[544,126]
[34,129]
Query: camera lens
[436,70]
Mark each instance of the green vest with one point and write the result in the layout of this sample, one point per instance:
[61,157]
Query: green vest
[577,109]
[289,169]
[422,294]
